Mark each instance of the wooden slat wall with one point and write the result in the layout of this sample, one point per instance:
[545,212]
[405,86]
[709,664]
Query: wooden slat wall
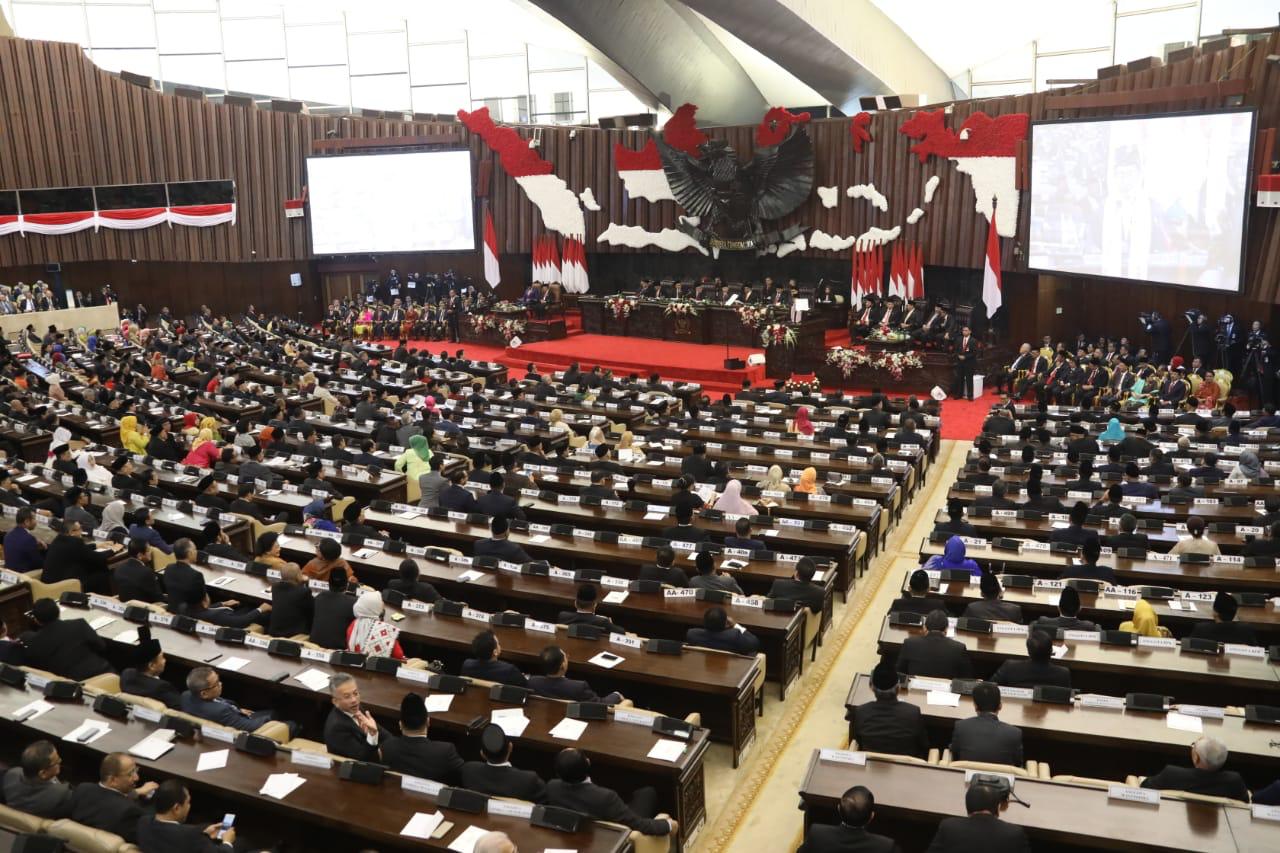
[69,123]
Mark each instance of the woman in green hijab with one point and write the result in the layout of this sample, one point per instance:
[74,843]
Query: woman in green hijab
[413,462]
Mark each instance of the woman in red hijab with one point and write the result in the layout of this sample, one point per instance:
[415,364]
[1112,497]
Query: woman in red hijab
[266,437]
[802,423]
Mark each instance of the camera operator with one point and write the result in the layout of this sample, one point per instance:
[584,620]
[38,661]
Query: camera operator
[1258,369]
[1228,343]
[1158,328]
[1202,337]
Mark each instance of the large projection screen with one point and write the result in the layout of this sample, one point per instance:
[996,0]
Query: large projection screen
[1150,198]
[414,202]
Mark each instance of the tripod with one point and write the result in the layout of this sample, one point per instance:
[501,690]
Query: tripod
[1182,340]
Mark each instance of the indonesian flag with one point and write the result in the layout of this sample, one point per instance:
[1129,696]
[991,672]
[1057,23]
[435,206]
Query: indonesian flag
[917,272]
[491,273]
[553,261]
[540,260]
[877,270]
[574,271]
[992,296]
[897,279]
[855,275]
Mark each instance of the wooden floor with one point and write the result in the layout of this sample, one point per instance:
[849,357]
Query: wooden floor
[755,807]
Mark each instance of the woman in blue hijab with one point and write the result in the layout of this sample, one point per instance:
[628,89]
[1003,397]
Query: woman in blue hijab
[953,557]
[1113,432]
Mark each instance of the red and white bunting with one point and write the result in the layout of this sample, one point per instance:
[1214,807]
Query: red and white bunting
[126,219]
[574,271]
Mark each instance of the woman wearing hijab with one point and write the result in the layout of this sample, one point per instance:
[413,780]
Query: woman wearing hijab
[55,388]
[1248,467]
[266,437]
[413,462]
[93,472]
[210,423]
[368,633]
[774,481]
[158,370]
[953,557]
[1113,432]
[595,438]
[189,424]
[555,421]
[1144,622]
[808,484]
[132,438]
[204,451]
[626,450]
[113,517]
[731,502]
[802,425]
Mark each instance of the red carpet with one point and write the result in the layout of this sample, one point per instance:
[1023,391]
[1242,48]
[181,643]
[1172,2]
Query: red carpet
[702,363]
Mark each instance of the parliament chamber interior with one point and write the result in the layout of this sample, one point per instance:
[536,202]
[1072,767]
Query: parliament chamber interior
[660,425]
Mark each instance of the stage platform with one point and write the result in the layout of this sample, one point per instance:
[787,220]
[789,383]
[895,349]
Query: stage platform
[702,363]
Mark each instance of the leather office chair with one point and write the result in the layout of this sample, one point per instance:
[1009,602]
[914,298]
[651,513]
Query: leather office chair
[20,822]
[40,589]
[1032,770]
[337,508]
[86,839]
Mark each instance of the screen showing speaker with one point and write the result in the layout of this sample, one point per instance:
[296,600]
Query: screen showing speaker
[1149,198]
[413,202]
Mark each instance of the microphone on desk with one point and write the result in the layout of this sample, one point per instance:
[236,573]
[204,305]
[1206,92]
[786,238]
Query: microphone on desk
[1018,799]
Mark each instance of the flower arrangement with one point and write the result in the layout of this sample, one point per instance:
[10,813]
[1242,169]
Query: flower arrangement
[621,306]
[483,322]
[888,335]
[507,307]
[778,334]
[803,386]
[511,329]
[752,316]
[894,363]
[681,308]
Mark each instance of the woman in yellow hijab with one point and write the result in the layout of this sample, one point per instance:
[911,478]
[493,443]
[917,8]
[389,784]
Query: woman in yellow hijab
[210,423]
[132,438]
[1144,622]
[808,484]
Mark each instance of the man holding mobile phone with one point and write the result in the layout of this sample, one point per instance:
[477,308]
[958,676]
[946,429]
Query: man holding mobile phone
[167,830]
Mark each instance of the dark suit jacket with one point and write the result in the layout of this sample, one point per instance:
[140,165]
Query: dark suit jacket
[995,610]
[573,617]
[984,738]
[980,833]
[503,549]
[140,684]
[671,575]
[1214,783]
[182,583]
[222,711]
[1052,624]
[68,647]
[1225,632]
[698,465]
[685,533]
[503,781]
[420,590]
[159,837]
[1027,673]
[934,655]
[825,838]
[136,581]
[343,737]
[291,609]
[602,804]
[44,799]
[105,808]
[887,725]
[728,640]
[910,604]
[808,594]
[71,557]
[494,670]
[569,689]
[1128,540]
[332,612]
[422,757]
[498,504]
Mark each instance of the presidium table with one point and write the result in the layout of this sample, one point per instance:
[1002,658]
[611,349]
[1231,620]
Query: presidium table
[712,324]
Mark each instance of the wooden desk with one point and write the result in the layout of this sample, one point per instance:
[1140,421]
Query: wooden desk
[318,810]
[912,799]
[1097,742]
[1202,679]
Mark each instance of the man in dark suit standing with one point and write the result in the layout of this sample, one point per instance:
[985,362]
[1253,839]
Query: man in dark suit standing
[935,654]
[495,775]
[414,753]
[554,683]
[331,612]
[855,810]
[573,789]
[113,804]
[484,662]
[887,725]
[167,831]
[1037,669]
[800,587]
[1204,776]
[67,647]
[982,831]
[349,730]
[965,355]
[718,631]
[983,737]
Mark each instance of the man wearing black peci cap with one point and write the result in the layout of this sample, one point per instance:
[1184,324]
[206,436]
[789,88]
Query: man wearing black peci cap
[991,607]
[955,523]
[1067,618]
[885,724]
[1038,669]
[584,611]
[497,545]
[408,585]
[1224,628]
[207,495]
[495,776]
[146,676]
[414,753]
[934,654]
[917,598]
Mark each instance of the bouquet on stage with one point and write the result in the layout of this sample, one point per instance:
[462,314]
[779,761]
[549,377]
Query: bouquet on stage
[681,308]
[511,329]
[752,316]
[884,334]
[621,306]
[778,334]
